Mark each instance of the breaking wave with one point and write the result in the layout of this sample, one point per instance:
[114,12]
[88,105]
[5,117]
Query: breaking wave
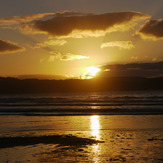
[139,102]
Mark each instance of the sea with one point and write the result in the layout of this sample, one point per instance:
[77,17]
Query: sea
[93,127]
[88,103]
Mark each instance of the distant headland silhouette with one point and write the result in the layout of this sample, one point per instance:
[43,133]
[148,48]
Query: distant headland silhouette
[11,85]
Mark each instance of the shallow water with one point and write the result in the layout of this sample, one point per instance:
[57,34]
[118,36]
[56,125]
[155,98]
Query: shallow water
[128,125]
[125,138]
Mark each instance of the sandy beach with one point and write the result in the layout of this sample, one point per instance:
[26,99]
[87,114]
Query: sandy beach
[111,138]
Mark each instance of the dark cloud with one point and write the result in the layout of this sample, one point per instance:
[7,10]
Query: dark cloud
[9,47]
[134,69]
[152,29]
[66,23]
[24,19]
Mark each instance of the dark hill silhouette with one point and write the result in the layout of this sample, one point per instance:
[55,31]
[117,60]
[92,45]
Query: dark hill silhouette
[20,86]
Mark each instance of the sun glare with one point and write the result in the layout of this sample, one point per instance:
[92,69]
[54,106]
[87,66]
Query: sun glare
[95,126]
[91,72]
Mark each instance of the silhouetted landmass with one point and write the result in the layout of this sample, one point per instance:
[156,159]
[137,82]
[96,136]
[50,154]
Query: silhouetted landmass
[17,86]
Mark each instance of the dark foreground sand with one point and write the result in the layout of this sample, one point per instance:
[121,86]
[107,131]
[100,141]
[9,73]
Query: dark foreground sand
[94,139]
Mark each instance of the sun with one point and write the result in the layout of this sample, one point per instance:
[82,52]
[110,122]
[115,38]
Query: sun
[91,72]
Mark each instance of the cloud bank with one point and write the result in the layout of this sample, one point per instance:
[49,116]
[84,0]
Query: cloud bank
[79,25]
[154,69]
[9,47]
[153,29]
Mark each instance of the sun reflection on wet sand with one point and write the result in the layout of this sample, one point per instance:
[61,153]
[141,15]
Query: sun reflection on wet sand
[95,126]
[95,129]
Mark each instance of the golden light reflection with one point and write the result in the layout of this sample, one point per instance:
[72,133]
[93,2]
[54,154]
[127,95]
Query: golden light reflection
[95,126]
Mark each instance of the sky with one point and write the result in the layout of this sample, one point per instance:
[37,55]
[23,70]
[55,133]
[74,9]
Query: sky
[66,37]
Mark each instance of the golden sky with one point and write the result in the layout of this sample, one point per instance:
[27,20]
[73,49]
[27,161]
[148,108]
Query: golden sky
[65,39]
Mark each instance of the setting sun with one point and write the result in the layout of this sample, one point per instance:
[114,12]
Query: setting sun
[91,72]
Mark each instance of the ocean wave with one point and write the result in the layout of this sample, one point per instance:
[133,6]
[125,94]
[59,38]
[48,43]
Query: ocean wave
[83,103]
[132,110]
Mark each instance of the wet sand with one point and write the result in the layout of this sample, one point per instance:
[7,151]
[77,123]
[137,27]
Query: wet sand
[94,139]
[60,140]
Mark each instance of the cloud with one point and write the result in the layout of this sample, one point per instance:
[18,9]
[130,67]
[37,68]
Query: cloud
[24,19]
[9,47]
[119,44]
[79,25]
[66,57]
[153,29]
[51,43]
[70,57]
[153,69]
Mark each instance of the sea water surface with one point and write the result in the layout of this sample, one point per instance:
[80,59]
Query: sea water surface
[100,103]
[128,127]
